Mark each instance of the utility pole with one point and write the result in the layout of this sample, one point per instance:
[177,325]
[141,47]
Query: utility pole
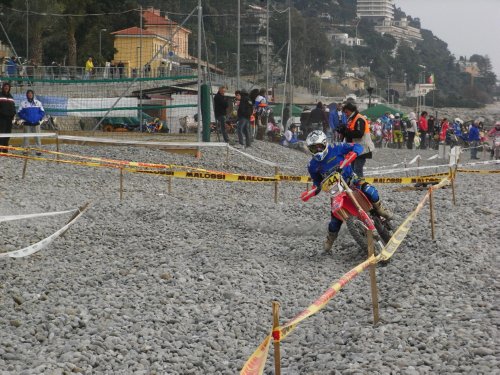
[290,50]
[27,30]
[238,48]
[199,68]
[267,48]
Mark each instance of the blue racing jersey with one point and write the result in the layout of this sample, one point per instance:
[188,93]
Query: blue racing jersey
[319,170]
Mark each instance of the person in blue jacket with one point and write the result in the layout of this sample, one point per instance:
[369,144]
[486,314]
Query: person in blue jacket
[337,119]
[474,139]
[324,161]
[31,112]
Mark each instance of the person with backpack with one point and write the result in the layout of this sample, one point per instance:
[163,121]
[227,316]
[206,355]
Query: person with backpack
[397,130]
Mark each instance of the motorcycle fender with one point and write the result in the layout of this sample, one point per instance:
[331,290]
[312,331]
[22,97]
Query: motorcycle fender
[342,207]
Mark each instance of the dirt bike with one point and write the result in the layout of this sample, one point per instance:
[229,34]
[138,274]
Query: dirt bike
[350,205]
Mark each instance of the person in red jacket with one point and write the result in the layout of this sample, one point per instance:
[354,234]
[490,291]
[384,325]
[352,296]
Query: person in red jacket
[445,125]
[423,128]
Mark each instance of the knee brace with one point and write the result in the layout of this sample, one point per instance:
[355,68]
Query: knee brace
[370,191]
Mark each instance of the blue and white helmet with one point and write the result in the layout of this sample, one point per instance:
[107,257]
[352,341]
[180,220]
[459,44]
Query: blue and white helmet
[317,144]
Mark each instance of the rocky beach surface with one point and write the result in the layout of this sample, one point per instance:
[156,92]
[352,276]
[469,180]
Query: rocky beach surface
[182,283]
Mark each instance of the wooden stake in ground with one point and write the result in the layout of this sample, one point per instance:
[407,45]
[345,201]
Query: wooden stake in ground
[276,324]
[121,183]
[431,205]
[276,185]
[170,184]
[25,166]
[57,146]
[373,278]
[227,154]
[452,180]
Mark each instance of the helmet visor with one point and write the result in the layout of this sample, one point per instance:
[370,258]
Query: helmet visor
[317,148]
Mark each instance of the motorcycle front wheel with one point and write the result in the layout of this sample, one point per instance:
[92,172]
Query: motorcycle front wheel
[358,232]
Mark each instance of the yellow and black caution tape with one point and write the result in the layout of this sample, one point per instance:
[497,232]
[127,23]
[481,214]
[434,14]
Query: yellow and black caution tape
[481,171]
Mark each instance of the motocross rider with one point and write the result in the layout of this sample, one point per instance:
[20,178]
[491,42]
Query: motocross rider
[324,161]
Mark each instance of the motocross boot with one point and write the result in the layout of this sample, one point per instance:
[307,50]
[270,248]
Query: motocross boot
[382,210]
[330,238]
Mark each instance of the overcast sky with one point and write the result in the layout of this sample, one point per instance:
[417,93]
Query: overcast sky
[467,26]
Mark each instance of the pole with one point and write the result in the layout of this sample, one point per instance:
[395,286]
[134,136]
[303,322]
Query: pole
[267,48]
[140,71]
[238,47]
[452,178]
[57,146]
[290,52]
[100,43]
[121,183]
[276,185]
[276,324]
[170,184]
[27,29]
[24,167]
[373,278]
[199,74]
[431,206]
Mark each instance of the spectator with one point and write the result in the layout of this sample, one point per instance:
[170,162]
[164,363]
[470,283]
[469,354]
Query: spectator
[337,119]
[220,111]
[245,110]
[316,119]
[412,129]
[423,127]
[377,133]
[286,116]
[7,113]
[290,138]
[31,112]
[431,122]
[445,126]
[12,66]
[358,131]
[397,133]
[89,68]
[474,140]
[121,68]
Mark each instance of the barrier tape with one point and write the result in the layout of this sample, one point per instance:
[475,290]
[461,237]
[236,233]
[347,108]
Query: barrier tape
[31,216]
[281,332]
[203,174]
[108,161]
[46,241]
[218,176]
[478,171]
[255,364]
[257,361]
[400,234]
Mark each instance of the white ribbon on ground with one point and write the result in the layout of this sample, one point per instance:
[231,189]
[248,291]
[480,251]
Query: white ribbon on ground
[415,159]
[45,242]
[31,216]
[141,143]
[27,135]
[370,173]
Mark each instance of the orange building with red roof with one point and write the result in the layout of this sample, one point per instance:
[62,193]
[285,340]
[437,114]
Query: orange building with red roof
[135,47]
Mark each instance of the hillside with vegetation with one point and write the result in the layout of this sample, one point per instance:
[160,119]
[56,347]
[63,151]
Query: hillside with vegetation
[57,33]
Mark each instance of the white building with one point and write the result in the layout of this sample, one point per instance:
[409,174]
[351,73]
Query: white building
[376,9]
[401,30]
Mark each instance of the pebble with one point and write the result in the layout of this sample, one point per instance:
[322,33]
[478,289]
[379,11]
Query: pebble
[182,283]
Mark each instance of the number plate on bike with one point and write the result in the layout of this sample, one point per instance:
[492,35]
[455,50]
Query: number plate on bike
[329,182]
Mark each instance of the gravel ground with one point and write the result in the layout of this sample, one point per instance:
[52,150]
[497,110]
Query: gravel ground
[182,283]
